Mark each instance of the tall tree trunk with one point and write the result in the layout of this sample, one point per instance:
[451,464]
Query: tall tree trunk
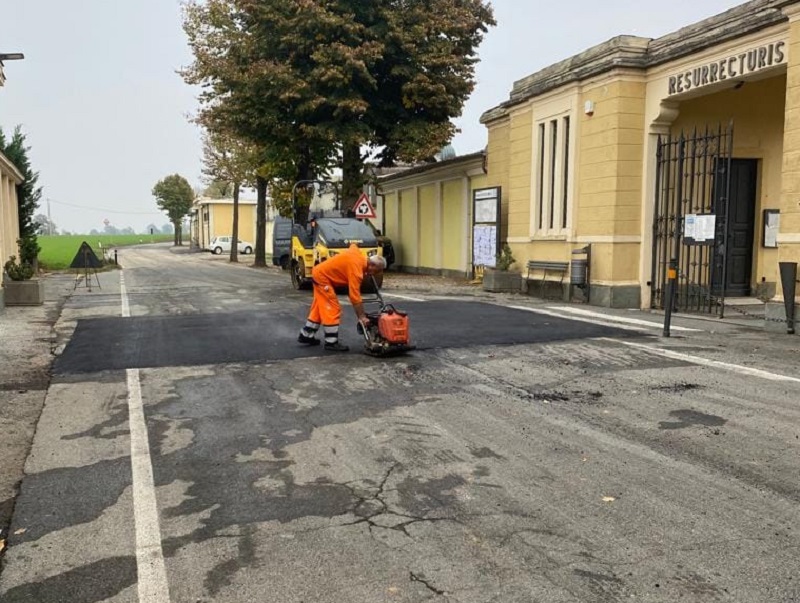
[304,173]
[235,233]
[352,175]
[261,222]
[176,225]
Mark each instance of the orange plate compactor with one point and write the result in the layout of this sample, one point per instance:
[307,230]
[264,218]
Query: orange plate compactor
[387,332]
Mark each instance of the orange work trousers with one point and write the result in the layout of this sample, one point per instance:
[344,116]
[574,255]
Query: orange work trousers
[325,308]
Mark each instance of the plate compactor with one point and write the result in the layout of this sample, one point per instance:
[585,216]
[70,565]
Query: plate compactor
[387,332]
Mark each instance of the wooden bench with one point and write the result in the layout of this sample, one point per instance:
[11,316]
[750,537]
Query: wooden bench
[548,266]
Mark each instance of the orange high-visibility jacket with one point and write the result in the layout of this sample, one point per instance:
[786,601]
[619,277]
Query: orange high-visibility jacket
[343,270]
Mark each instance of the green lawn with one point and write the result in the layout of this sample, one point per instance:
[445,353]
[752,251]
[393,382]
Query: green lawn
[58,251]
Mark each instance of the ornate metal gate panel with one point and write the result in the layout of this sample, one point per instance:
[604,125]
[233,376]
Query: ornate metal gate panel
[692,179]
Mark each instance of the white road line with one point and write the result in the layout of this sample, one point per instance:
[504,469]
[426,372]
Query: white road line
[405,297]
[151,571]
[736,368]
[580,319]
[623,319]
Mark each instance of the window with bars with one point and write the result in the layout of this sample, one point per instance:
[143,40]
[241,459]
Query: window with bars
[552,175]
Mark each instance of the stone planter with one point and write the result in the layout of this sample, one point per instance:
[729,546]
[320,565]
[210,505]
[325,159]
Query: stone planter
[501,281]
[24,293]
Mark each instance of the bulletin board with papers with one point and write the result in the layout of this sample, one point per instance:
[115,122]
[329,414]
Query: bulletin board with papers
[485,227]
[699,229]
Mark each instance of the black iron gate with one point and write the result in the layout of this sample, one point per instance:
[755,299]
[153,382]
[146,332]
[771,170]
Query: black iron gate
[689,226]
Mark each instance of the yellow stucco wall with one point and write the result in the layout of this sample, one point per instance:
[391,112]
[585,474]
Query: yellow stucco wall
[9,218]
[610,171]
[499,162]
[453,233]
[757,111]
[609,188]
[789,241]
[428,198]
[408,255]
[520,158]
[221,217]
[392,225]
[428,217]
[607,172]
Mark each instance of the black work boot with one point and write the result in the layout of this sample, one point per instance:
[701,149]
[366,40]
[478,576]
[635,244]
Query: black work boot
[307,340]
[336,347]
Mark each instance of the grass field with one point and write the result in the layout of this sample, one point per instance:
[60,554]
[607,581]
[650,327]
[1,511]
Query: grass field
[58,251]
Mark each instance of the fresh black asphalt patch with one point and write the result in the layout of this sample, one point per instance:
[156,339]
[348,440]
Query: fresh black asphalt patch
[102,344]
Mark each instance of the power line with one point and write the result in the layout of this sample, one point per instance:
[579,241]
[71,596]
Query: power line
[108,211]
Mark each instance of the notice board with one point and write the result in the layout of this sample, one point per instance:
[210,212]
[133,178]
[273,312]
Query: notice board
[485,227]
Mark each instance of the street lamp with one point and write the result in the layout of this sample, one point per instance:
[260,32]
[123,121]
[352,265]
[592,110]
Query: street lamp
[11,56]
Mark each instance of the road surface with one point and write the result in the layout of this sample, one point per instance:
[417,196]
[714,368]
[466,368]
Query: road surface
[190,451]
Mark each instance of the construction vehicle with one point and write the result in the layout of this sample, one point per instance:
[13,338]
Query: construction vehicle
[387,332]
[324,234]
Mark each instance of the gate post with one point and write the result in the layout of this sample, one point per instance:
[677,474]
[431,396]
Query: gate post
[789,283]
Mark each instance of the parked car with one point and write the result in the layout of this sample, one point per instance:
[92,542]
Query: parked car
[220,244]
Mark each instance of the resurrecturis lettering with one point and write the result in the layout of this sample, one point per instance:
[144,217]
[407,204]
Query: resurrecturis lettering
[732,67]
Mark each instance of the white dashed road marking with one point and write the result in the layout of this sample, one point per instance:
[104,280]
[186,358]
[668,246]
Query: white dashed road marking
[592,321]
[736,368]
[622,319]
[405,297]
[151,571]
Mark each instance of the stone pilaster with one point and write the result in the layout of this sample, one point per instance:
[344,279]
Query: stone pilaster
[789,236]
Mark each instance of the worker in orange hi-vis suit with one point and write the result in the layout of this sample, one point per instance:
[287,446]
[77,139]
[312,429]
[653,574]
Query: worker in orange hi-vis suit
[344,270]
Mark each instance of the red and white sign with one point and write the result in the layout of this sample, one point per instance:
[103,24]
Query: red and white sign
[363,208]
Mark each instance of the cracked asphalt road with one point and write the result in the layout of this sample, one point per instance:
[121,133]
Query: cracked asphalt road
[516,457]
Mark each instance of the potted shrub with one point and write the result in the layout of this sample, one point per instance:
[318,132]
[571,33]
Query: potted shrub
[500,278]
[20,286]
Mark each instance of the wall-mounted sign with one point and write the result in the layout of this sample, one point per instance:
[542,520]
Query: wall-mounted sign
[772,225]
[729,68]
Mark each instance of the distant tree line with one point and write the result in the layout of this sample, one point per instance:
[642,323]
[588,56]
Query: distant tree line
[47,227]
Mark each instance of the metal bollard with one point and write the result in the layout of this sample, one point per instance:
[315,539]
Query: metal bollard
[789,283]
[672,278]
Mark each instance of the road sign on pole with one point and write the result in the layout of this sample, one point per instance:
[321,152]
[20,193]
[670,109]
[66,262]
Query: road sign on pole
[363,208]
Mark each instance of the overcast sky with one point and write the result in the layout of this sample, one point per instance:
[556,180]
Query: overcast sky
[106,114]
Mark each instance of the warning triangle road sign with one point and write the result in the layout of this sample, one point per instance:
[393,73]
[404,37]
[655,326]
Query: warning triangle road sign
[363,208]
[86,258]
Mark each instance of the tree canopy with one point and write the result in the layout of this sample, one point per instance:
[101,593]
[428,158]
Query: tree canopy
[29,193]
[228,159]
[313,83]
[174,195]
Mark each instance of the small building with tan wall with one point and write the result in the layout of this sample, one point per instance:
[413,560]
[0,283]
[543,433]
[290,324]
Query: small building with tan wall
[685,147]
[427,213]
[214,218]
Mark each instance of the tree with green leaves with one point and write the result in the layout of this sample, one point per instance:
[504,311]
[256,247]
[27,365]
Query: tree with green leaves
[29,193]
[174,195]
[314,83]
[218,189]
[229,161]
[44,225]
